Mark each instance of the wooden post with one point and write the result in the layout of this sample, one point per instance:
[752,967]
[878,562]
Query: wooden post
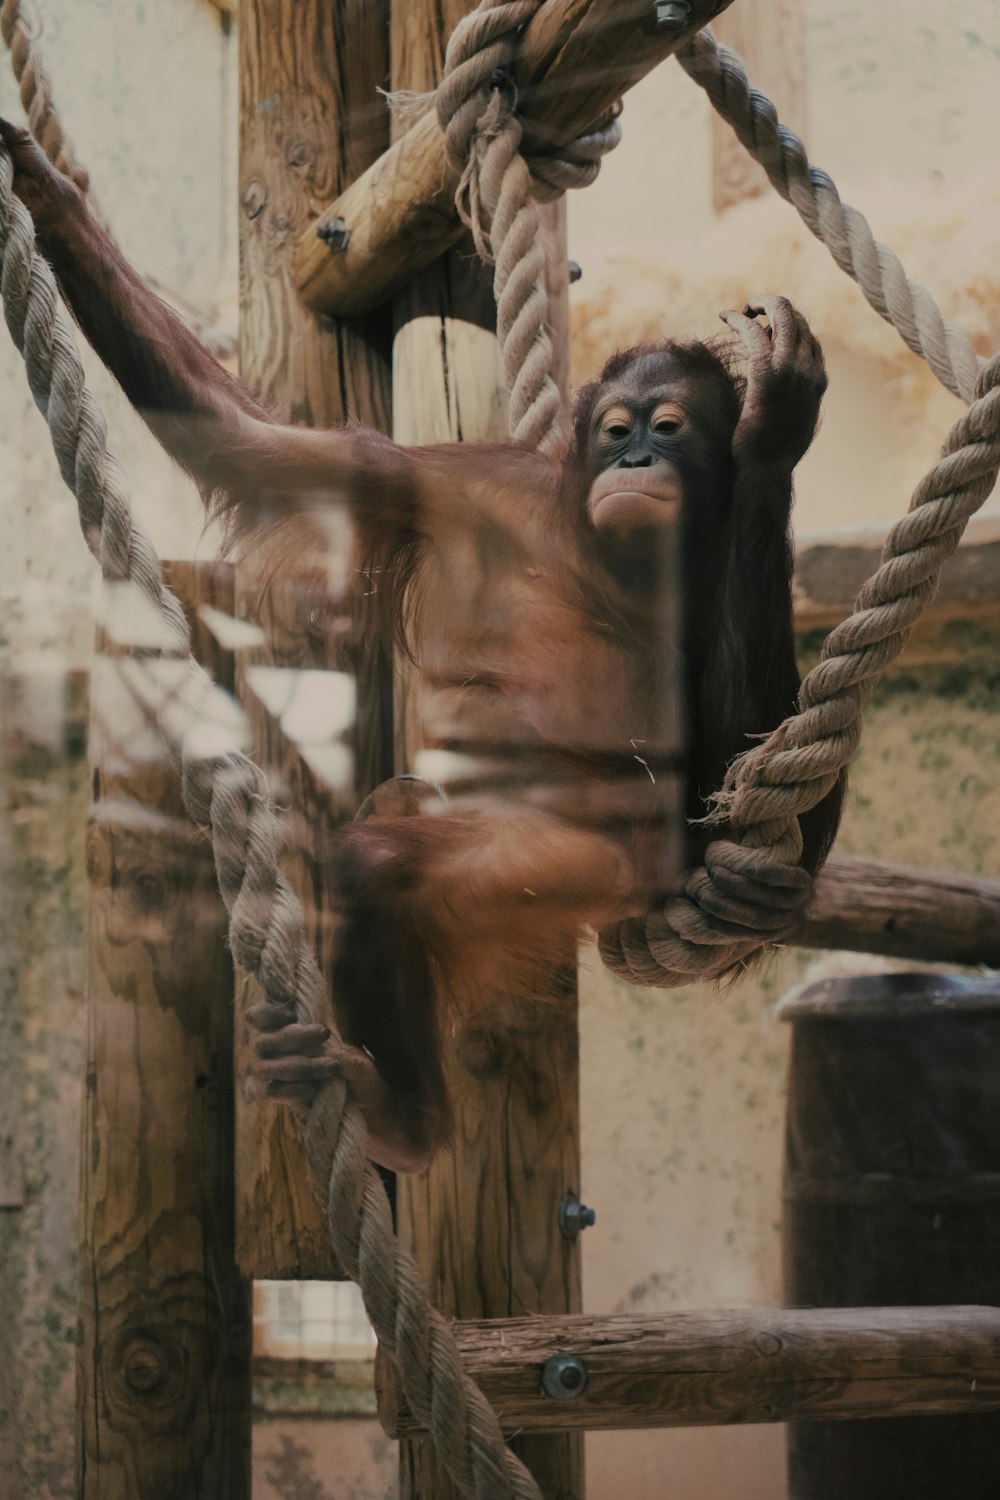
[484,1221]
[311,121]
[163,1391]
[708,1369]
[770,36]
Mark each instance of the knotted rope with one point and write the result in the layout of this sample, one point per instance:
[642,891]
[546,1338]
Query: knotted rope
[229,795]
[476,106]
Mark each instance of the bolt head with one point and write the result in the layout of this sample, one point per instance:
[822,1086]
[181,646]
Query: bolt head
[672,13]
[564,1377]
[334,233]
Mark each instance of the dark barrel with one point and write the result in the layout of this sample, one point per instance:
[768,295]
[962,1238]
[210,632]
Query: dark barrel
[892,1198]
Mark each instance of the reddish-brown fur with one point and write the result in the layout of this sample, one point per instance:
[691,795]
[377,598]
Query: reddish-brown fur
[537,633]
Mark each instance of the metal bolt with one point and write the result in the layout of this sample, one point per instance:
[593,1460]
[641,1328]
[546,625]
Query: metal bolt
[672,13]
[564,1377]
[575,271]
[335,234]
[574,1216]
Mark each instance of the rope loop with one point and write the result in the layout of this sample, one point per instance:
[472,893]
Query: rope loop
[498,188]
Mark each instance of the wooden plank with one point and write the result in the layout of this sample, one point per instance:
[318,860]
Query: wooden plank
[163,1390]
[829,573]
[706,1369]
[483,1221]
[934,916]
[576,58]
[311,122]
[770,36]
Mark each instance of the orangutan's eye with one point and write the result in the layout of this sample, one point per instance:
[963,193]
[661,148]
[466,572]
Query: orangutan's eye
[668,417]
[616,422]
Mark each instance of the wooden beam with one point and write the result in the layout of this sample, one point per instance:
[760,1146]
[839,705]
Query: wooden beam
[830,571]
[310,122]
[483,1221]
[706,1369]
[935,916]
[576,58]
[163,1357]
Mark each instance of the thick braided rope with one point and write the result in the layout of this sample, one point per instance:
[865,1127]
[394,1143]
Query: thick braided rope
[770,786]
[228,794]
[36,92]
[845,232]
[498,188]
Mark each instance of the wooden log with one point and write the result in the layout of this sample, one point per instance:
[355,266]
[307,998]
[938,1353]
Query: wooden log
[576,58]
[163,1373]
[770,36]
[483,1222]
[829,573]
[311,121]
[864,906]
[706,1369]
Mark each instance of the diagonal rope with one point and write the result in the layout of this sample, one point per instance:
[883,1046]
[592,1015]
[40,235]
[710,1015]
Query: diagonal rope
[844,231]
[229,795]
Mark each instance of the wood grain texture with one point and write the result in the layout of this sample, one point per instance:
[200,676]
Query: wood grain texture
[933,916]
[483,1221]
[828,575]
[892,1196]
[163,1388]
[311,121]
[703,1369]
[770,36]
[576,58]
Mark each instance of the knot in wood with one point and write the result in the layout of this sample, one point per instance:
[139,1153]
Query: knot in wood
[143,1367]
[254,199]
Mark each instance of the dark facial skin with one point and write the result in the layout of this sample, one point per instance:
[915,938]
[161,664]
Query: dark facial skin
[658,439]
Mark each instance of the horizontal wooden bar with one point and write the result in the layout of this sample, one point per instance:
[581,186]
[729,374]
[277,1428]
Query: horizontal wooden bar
[699,1369]
[829,573]
[576,58]
[937,916]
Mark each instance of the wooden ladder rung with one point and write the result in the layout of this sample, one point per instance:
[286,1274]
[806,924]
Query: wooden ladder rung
[698,1369]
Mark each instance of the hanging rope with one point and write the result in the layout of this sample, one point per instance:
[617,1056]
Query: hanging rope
[476,105]
[844,231]
[229,795]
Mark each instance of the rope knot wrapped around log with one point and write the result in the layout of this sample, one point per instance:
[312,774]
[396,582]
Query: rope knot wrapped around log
[476,105]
